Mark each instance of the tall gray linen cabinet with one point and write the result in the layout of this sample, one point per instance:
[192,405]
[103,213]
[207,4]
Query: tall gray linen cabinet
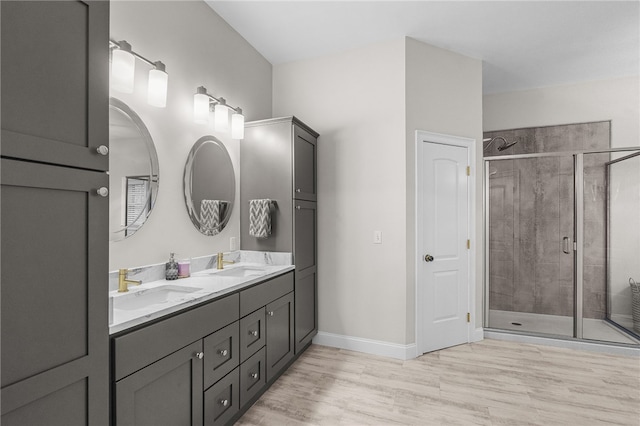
[278,161]
[54,251]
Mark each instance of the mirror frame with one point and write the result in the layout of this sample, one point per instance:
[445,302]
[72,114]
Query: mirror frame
[154,177]
[188,171]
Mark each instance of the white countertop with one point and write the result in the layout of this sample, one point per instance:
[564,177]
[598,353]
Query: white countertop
[127,311]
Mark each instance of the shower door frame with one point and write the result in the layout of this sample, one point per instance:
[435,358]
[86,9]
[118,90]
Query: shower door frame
[578,245]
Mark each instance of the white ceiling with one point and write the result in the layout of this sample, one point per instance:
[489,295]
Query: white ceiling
[523,44]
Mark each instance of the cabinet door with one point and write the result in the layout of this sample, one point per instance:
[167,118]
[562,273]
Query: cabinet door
[304,165]
[280,343]
[167,392]
[304,248]
[54,272]
[306,308]
[55,84]
[221,353]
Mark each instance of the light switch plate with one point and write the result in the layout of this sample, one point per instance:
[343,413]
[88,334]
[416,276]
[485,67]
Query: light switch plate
[377,237]
[233,244]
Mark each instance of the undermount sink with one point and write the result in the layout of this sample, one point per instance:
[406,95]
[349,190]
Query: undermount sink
[241,271]
[153,296]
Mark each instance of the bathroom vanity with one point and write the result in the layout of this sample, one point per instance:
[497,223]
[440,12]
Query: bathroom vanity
[207,357]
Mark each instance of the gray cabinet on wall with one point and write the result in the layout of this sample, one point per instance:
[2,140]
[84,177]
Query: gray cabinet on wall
[279,162]
[54,224]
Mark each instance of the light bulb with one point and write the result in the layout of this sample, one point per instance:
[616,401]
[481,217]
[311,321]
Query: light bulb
[221,123]
[201,106]
[157,91]
[123,69]
[237,124]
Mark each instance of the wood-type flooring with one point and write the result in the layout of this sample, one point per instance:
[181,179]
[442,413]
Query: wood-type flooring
[490,382]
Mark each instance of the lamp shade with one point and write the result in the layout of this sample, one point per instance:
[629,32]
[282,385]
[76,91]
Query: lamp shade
[122,71]
[157,89]
[201,106]
[221,123]
[237,124]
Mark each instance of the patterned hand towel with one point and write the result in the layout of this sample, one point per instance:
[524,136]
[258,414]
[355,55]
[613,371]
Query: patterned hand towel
[260,218]
[210,217]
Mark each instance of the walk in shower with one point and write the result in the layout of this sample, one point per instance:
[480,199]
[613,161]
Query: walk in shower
[562,232]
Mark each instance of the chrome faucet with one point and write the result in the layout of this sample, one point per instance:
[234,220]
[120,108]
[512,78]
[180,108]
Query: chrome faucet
[221,261]
[123,282]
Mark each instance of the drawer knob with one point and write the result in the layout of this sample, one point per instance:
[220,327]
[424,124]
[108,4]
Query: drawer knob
[298,190]
[270,313]
[254,375]
[102,150]
[298,207]
[199,355]
[254,333]
[223,352]
[224,402]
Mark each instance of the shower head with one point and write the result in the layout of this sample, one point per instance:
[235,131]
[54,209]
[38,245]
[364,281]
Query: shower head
[504,145]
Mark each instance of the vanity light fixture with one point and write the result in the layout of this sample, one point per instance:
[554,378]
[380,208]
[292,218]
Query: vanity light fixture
[123,73]
[202,103]
[237,124]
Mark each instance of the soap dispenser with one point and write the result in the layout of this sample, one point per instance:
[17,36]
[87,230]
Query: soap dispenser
[171,269]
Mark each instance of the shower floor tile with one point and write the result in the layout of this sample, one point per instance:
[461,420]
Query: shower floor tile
[593,329]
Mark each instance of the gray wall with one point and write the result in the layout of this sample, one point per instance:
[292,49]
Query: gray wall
[198,48]
[531,209]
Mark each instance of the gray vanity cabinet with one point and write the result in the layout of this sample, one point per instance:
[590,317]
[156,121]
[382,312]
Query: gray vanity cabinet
[167,392]
[279,162]
[54,264]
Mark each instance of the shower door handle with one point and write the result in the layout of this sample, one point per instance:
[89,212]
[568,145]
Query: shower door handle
[565,245]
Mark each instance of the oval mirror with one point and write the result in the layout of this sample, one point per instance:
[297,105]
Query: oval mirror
[133,171]
[209,185]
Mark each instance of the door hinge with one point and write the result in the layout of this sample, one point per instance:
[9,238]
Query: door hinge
[468,170]
[468,244]
[468,317]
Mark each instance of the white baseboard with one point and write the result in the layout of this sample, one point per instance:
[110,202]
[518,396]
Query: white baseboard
[374,347]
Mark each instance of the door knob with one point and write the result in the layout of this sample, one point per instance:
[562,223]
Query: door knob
[428,258]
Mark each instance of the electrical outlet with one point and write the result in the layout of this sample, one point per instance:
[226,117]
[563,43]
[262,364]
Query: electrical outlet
[233,244]
[377,237]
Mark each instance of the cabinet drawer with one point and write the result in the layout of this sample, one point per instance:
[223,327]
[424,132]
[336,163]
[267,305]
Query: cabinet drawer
[252,376]
[222,400]
[258,296]
[252,333]
[140,348]
[221,353]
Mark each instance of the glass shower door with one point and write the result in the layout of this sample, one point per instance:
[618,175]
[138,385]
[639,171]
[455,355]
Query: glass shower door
[530,232]
[610,260]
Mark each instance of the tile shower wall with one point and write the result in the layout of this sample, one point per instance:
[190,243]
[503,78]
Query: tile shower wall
[531,210]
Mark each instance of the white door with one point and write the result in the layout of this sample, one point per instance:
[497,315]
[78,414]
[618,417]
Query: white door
[443,233]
